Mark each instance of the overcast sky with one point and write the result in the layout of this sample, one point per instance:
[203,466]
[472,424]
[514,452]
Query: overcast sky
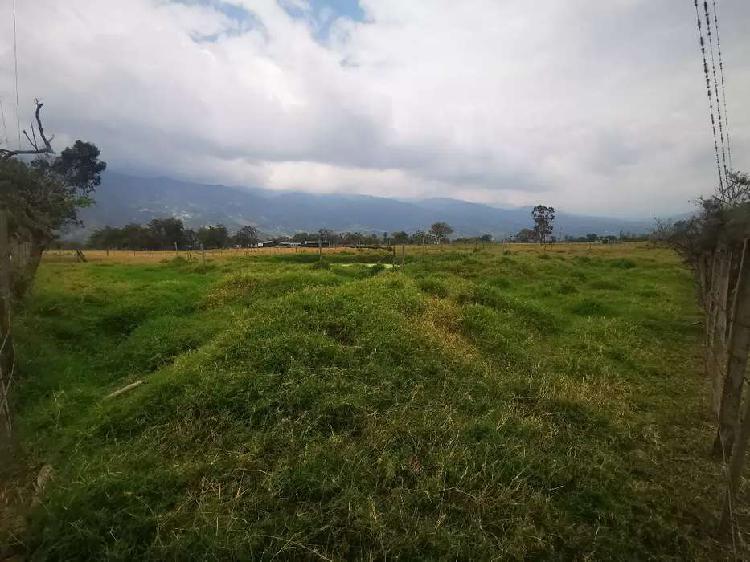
[593,106]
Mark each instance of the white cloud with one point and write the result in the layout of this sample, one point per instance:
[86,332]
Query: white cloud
[592,106]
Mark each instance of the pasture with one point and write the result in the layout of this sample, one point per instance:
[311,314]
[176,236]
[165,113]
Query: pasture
[498,402]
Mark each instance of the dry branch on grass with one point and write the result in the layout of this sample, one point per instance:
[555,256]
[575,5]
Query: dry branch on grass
[124,389]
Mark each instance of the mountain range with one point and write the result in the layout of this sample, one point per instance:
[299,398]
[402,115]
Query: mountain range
[122,199]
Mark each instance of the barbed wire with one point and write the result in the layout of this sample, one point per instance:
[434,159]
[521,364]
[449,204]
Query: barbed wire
[723,88]
[715,83]
[15,67]
[709,94]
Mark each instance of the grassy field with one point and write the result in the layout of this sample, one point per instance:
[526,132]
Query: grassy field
[492,403]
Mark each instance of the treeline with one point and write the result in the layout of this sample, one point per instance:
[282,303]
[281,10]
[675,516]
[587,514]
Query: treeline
[170,233]
[529,235]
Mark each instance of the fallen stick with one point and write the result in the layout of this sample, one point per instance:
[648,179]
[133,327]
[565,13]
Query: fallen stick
[131,386]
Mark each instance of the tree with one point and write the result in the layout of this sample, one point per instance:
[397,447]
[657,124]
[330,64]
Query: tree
[327,235]
[526,235]
[166,233]
[246,236]
[543,222]
[486,238]
[190,238]
[420,237]
[400,237]
[592,237]
[43,196]
[38,198]
[441,230]
[214,236]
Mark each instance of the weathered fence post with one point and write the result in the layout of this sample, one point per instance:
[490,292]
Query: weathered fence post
[7,359]
[738,346]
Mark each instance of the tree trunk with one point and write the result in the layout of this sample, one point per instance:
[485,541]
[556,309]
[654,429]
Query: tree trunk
[737,351]
[25,272]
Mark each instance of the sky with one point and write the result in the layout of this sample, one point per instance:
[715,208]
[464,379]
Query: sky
[595,107]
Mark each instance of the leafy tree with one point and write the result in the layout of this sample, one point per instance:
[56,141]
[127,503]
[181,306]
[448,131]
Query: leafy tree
[246,236]
[327,235]
[43,196]
[106,237]
[400,237]
[526,235]
[190,238]
[136,237]
[214,236]
[165,233]
[543,222]
[592,237]
[441,230]
[420,237]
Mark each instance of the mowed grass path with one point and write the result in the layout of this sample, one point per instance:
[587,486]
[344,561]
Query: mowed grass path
[504,403]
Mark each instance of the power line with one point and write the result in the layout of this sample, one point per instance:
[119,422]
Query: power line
[15,64]
[5,128]
[723,88]
[710,98]
[716,87]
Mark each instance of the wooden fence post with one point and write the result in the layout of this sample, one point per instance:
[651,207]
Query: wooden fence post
[738,346]
[7,359]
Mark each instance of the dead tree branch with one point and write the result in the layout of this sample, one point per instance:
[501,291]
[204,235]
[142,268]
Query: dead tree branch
[37,147]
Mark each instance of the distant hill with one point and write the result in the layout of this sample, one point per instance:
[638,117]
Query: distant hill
[123,198]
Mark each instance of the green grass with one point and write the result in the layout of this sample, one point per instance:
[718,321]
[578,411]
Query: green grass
[472,405]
